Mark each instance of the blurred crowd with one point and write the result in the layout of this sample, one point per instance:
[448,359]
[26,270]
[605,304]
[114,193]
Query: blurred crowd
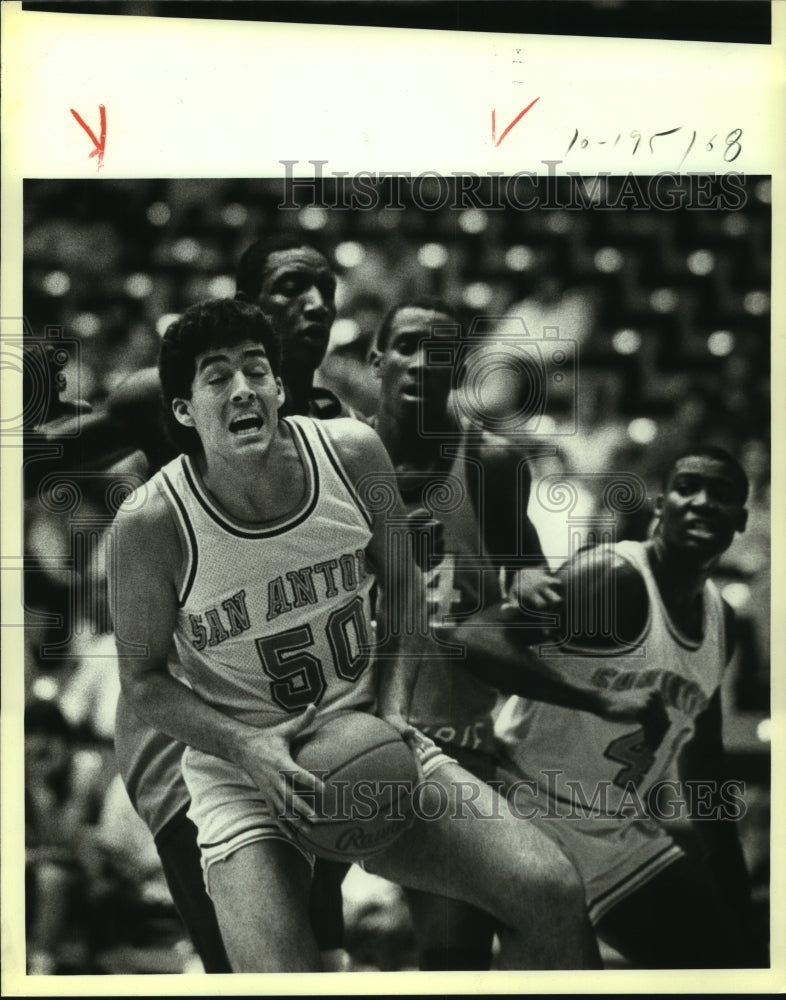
[662,340]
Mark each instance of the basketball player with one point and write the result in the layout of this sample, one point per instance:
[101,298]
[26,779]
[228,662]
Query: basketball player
[294,284]
[477,487]
[206,554]
[659,906]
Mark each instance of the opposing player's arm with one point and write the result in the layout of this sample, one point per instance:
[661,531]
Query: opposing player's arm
[511,539]
[143,594]
[401,602]
[604,609]
[500,496]
[605,602]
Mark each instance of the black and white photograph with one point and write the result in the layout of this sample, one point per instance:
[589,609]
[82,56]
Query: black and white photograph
[394,578]
[534,359]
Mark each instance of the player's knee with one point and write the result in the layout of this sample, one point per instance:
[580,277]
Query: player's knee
[555,887]
[567,885]
[564,890]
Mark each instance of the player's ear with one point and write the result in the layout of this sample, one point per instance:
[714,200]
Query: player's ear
[182,411]
[658,505]
[375,360]
[280,393]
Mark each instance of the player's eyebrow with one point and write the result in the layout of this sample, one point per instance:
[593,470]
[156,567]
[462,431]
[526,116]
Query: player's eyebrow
[211,359]
[255,352]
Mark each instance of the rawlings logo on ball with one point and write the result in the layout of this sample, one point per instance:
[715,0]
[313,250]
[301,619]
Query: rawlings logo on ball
[356,839]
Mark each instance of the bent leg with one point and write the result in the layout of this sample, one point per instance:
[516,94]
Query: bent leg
[474,849]
[261,894]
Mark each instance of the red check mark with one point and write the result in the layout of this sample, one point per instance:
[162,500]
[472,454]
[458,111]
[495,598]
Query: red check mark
[515,121]
[99,143]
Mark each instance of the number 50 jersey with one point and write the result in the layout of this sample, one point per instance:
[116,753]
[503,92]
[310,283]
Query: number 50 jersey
[274,618]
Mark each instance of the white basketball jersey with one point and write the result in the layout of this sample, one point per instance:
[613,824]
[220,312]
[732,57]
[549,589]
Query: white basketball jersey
[583,747]
[585,779]
[275,618]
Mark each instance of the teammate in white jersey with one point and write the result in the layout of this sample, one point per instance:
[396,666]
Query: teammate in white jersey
[645,617]
[253,482]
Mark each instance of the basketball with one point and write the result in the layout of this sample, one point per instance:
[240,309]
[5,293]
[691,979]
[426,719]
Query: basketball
[371,773]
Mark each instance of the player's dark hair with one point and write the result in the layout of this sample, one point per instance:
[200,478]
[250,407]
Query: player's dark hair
[206,325]
[431,304]
[717,454]
[251,268]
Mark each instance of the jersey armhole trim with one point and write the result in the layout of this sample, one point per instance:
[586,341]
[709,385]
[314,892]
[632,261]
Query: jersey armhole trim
[188,535]
[342,474]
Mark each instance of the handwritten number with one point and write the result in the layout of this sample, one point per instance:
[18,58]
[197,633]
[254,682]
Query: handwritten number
[690,147]
[655,135]
[732,140]
[731,152]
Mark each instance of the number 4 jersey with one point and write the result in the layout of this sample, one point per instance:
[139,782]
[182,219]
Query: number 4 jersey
[276,617]
[586,779]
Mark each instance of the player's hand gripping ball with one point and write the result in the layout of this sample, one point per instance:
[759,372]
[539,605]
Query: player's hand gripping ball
[369,774]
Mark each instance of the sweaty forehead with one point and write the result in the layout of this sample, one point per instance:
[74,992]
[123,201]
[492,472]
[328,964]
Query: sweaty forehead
[297,258]
[414,319]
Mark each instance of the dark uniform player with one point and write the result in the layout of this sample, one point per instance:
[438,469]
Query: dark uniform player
[295,285]
[673,634]
[467,490]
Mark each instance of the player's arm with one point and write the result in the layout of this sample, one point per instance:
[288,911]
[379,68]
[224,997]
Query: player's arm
[703,763]
[603,610]
[144,602]
[400,601]
[532,591]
